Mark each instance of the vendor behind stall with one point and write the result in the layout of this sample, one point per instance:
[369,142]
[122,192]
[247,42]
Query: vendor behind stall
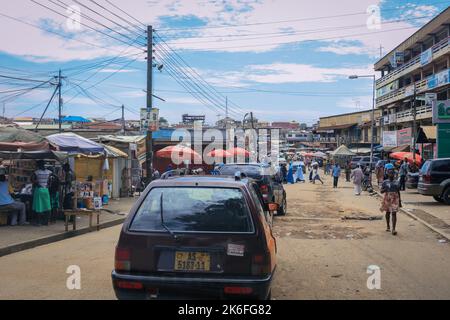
[7,202]
[41,195]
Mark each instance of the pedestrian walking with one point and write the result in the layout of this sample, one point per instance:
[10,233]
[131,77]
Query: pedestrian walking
[299,174]
[391,200]
[327,168]
[290,175]
[348,171]
[379,172]
[357,176]
[315,174]
[284,172]
[336,174]
[403,171]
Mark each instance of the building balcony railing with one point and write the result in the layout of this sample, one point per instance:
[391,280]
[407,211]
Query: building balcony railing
[423,112]
[402,93]
[439,49]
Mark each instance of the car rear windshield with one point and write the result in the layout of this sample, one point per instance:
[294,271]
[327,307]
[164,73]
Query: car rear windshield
[441,166]
[425,167]
[189,209]
[249,171]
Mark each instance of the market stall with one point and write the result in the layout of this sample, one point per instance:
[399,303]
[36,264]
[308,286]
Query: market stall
[95,167]
[20,168]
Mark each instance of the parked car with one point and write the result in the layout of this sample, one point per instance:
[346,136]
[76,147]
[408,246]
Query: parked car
[364,161]
[196,237]
[268,179]
[435,179]
[412,180]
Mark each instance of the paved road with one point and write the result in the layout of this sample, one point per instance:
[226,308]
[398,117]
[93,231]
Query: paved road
[320,257]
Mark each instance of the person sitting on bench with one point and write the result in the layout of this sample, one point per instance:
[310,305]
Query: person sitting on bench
[18,209]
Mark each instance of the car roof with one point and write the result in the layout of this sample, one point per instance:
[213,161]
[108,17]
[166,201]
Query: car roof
[201,181]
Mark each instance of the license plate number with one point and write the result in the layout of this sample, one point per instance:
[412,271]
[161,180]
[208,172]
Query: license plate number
[192,261]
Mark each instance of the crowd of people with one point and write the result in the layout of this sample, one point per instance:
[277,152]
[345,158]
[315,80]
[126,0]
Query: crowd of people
[391,179]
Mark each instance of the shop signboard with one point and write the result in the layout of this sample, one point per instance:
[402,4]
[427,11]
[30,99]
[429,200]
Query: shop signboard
[153,120]
[438,79]
[426,57]
[404,137]
[149,120]
[443,140]
[441,111]
[390,139]
[409,91]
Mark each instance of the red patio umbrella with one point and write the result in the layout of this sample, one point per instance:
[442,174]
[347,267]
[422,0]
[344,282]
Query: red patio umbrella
[219,153]
[240,152]
[178,152]
[408,155]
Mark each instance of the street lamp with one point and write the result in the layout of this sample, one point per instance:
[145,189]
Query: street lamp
[353,77]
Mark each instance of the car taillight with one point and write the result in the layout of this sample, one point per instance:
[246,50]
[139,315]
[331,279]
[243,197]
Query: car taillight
[238,290]
[427,177]
[122,259]
[264,189]
[261,264]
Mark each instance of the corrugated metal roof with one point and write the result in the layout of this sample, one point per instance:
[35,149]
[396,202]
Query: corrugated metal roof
[124,139]
[113,152]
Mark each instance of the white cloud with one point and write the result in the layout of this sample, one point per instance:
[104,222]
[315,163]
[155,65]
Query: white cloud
[39,46]
[117,70]
[280,73]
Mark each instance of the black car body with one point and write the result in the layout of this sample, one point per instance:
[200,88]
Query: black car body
[435,179]
[196,237]
[267,178]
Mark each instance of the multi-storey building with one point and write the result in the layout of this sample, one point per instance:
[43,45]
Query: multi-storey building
[350,129]
[418,65]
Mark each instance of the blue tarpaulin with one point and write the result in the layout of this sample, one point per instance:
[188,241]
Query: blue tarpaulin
[73,143]
[75,119]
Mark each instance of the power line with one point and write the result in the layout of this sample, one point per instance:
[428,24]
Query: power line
[127,14]
[192,71]
[83,15]
[106,18]
[57,33]
[83,24]
[296,41]
[118,16]
[283,21]
[218,103]
[283,34]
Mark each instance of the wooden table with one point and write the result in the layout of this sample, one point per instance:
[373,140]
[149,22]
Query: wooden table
[81,212]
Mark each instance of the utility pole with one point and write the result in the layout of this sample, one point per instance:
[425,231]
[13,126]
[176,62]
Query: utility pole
[149,137]
[123,119]
[59,101]
[4,109]
[414,112]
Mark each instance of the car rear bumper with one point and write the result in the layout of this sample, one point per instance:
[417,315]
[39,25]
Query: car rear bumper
[429,189]
[169,287]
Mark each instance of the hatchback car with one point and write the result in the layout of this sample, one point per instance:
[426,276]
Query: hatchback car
[196,237]
[435,180]
[268,179]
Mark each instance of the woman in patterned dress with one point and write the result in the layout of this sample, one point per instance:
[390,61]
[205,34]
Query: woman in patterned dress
[391,201]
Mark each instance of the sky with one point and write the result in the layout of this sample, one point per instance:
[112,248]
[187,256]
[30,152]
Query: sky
[283,60]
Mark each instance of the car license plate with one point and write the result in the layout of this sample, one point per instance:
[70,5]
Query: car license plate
[192,261]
